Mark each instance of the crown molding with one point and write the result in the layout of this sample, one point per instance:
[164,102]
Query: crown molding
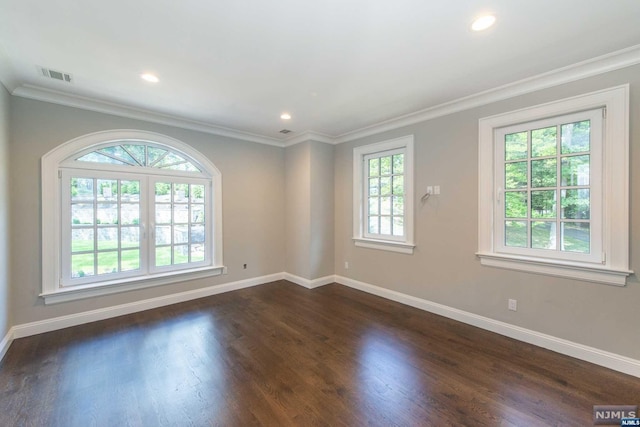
[589,68]
[310,136]
[90,104]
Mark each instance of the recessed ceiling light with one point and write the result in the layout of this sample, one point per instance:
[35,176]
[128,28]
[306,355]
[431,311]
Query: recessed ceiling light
[150,78]
[285,116]
[483,22]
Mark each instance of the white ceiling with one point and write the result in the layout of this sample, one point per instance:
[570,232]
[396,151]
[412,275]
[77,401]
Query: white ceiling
[336,65]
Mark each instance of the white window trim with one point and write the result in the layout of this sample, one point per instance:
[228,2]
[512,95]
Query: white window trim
[615,184]
[405,246]
[51,219]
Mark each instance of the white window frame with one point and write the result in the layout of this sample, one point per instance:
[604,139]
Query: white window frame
[57,160]
[402,244]
[612,265]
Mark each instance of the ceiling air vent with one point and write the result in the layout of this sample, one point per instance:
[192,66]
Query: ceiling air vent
[285,131]
[55,75]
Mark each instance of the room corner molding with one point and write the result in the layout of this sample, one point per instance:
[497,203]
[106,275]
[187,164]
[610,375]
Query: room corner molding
[308,283]
[599,357]
[5,343]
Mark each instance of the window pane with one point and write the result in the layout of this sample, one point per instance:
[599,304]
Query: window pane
[543,204]
[385,205]
[180,254]
[95,157]
[197,193]
[108,190]
[374,189]
[515,175]
[575,170]
[197,253]
[385,165]
[180,214]
[81,189]
[163,235]
[385,225]
[82,240]
[155,154]
[374,167]
[130,191]
[373,206]
[197,213]
[197,234]
[107,262]
[576,237]
[398,163]
[398,185]
[515,234]
[575,204]
[107,238]
[138,152]
[575,137]
[82,265]
[118,152]
[374,224]
[169,159]
[130,260]
[82,214]
[398,205]
[163,192]
[515,146]
[543,173]
[515,204]
[130,213]
[180,234]
[107,213]
[543,142]
[385,186]
[163,256]
[398,226]
[181,193]
[130,237]
[163,213]
[543,235]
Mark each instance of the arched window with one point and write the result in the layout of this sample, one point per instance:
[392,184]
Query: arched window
[127,209]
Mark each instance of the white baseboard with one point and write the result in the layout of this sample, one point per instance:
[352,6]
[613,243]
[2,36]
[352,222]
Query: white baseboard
[309,284]
[56,323]
[599,357]
[5,343]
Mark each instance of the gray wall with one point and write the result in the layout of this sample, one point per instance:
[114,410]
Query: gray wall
[322,210]
[298,209]
[253,203]
[444,269]
[309,209]
[5,314]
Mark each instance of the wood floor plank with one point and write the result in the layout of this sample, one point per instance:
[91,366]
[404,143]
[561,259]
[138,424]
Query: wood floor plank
[279,354]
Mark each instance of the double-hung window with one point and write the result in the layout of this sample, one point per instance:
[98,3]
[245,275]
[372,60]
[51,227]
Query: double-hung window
[553,188]
[383,195]
[132,212]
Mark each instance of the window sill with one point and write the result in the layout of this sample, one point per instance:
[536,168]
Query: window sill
[124,285]
[385,245]
[570,270]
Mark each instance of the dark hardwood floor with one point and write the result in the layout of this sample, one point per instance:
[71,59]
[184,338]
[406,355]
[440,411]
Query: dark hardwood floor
[279,355]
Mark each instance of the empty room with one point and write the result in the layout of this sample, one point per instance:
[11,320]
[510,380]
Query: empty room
[408,213]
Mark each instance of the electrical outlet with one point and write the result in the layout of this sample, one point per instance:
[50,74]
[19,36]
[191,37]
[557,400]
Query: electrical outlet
[346,265]
[244,266]
[436,189]
[513,305]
